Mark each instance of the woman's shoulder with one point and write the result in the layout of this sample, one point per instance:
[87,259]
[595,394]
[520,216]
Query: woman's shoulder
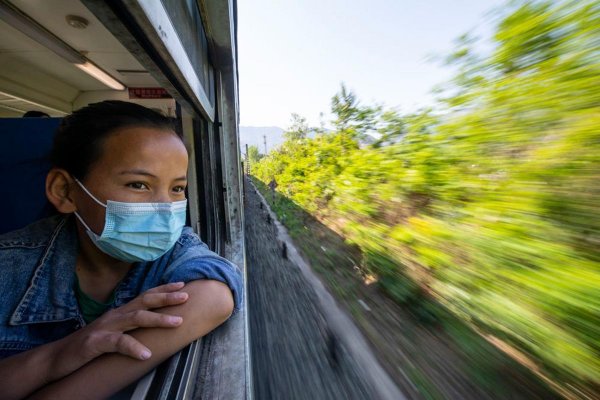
[192,260]
[37,234]
[190,248]
[189,238]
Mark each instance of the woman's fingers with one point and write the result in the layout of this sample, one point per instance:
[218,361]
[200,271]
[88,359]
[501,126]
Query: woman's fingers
[126,345]
[148,319]
[158,300]
[169,287]
[107,334]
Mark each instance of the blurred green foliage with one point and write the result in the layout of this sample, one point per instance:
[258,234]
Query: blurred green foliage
[253,155]
[490,204]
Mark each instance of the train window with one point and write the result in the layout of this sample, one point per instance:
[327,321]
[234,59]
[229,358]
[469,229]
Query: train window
[117,52]
[202,154]
[210,184]
[187,21]
[219,184]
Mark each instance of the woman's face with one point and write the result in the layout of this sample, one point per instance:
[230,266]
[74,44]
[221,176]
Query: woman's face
[137,165]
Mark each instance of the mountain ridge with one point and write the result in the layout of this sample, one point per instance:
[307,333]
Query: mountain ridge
[255,136]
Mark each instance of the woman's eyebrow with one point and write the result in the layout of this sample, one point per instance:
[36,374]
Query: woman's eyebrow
[146,173]
[137,172]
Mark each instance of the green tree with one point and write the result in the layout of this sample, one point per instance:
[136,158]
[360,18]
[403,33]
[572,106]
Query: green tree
[391,128]
[351,118]
[298,128]
[254,155]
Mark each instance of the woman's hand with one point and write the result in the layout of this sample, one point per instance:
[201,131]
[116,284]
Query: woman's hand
[108,333]
[30,370]
[210,303]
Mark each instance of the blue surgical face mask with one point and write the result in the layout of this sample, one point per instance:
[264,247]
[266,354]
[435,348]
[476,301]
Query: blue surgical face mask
[137,231]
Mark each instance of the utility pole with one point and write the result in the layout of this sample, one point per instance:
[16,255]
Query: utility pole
[265,139]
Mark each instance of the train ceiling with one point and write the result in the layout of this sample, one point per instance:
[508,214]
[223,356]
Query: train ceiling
[32,76]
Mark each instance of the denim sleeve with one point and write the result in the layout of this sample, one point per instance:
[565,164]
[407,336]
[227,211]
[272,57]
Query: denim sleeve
[192,260]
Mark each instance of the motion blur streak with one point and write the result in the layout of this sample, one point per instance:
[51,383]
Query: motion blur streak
[489,204]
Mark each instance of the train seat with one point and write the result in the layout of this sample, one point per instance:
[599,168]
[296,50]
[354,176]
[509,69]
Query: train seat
[25,145]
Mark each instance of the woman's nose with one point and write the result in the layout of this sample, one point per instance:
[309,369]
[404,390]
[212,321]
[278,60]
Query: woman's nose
[164,196]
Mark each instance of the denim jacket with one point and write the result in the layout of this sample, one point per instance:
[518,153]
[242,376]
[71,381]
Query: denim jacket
[37,265]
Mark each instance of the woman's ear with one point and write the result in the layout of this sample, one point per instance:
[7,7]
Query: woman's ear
[59,186]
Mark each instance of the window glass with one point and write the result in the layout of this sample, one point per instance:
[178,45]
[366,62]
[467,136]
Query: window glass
[186,20]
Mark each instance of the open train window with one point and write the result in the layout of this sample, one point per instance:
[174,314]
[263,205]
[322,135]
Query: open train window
[59,59]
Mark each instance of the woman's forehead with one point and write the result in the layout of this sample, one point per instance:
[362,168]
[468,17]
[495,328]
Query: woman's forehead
[147,148]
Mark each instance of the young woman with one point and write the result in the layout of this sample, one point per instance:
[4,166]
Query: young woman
[97,296]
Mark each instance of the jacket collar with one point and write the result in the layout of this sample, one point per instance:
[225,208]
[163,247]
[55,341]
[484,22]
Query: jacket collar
[50,296]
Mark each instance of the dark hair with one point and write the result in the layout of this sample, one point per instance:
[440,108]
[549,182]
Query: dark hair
[79,138]
[35,114]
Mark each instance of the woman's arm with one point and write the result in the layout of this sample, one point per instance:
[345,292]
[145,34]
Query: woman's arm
[24,373]
[210,303]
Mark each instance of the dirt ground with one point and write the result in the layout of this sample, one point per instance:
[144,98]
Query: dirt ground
[293,356]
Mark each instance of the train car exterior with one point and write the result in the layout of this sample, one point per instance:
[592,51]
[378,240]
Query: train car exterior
[178,56]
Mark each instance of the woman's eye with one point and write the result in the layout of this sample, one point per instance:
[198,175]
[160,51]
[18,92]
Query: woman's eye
[179,189]
[138,185]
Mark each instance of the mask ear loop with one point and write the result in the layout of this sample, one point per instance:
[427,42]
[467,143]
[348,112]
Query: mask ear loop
[88,193]
[81,220]
[94,198]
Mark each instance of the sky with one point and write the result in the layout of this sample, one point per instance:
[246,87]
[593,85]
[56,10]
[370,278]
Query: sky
[294,54]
